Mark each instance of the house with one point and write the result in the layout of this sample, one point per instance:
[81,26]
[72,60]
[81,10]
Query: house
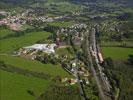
[72,81]
[73,64]
[86,81]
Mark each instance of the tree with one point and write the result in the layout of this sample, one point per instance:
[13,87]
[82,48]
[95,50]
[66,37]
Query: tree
[130,59]
[54,61]
[108,62]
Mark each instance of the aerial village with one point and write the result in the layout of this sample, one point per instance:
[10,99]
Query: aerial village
[36,52]
[16,20]
[66,49]
[40,51]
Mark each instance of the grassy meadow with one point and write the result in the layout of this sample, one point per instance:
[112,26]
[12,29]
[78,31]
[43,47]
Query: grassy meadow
[68,7]
[63,51]
[117,52]
[60,6]
[49,69]
[5,32]
[61,24]
[11,44]
[15,87]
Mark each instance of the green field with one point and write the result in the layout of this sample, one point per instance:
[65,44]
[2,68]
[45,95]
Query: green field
[117,52]
[26,26]
[68,7]
[53,70]
[63,51]
[129,43]
[60,6]
[14,86]
[61,24]
[5,32]
[9,45]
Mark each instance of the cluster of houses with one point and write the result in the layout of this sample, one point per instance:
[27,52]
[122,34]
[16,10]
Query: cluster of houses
[48,19]
[44,19]
[73,69]
[79,26]
[16,21]
[4,14]
[74,30]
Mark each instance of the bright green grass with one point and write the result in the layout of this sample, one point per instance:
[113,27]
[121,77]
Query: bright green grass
[9,45]
[5,32]
[62,24]
[53,70]
[14,86]
[117,52]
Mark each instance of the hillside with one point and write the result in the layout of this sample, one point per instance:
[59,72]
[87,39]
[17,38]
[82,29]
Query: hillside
[66,49]
[125,2]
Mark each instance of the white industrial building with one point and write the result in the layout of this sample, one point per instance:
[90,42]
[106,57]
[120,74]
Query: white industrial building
[47,48]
